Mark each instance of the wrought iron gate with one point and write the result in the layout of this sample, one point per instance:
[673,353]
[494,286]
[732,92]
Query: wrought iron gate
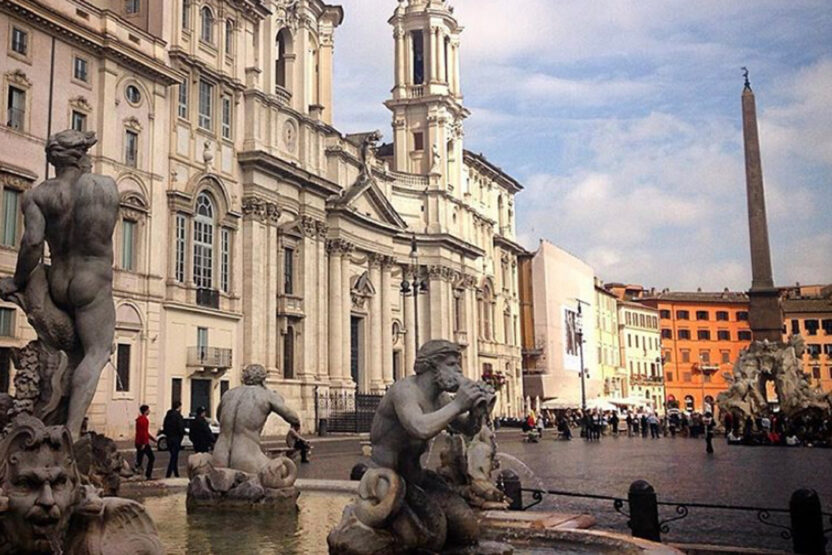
[345,410]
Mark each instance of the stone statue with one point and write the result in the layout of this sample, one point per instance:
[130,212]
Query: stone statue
[242,413]
[401,506]
[70,302]
[238,474]
[435,159]
[468,468]
[781,363]
[41,495]
[367,154]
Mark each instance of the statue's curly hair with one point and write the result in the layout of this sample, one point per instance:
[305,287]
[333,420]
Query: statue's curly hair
[254,374]
[70,144]
[432,352]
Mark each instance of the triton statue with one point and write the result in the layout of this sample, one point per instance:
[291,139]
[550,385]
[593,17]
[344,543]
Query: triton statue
[70,302]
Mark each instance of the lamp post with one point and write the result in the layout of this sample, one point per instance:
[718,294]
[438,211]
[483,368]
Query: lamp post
[414,288]
[579,335]
[660,363]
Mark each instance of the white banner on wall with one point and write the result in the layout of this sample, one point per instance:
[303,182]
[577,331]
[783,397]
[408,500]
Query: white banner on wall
[571,354]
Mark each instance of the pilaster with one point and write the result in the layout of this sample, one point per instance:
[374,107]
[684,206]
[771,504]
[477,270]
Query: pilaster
[386,321]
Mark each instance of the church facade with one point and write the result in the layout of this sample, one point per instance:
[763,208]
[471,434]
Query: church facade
[252,230]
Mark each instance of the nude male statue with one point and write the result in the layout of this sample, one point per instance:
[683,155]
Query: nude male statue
[417,408]
[75,213]
[242,414]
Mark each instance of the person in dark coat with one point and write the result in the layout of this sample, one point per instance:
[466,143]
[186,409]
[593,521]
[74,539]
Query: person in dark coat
[200,433]
[174,429]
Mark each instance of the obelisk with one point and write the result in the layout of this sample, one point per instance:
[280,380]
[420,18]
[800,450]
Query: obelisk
[765,316]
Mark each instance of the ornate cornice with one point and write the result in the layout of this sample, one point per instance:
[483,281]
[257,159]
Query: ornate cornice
[19,78]
[339,247]
[260,209]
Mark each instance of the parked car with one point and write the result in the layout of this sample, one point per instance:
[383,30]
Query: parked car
[162,440]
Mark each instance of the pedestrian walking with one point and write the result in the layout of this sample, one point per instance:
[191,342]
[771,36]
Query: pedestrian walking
[174,429]
[629,421]
[296,442]
[708,423]
[142,442]
[653,422]
[643,425]
[200,433]
[614,423]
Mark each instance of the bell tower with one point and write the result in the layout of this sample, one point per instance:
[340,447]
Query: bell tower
[427,100]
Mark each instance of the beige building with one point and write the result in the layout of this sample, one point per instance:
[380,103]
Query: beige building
[252,230]
[608,347]
[641,352]
[560,284]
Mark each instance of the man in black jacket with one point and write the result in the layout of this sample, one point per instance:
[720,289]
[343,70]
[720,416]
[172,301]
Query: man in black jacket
[174,429]
[200,433]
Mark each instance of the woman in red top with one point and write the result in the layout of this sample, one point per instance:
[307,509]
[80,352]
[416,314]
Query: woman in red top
[143,439]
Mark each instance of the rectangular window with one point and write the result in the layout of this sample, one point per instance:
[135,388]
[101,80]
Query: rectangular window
[684,334]
[131,148]
[20,41]
[132,6]
[179,263]
[16,108]
[827,326]
[226,117]
[664,314]
[224,386]
[128,245]
[811,327]
[703,335]
[7,322]
[418,141]
[11,201]
[183,99]
[669,377]
[186,14]
[726,357]
[288,271]
[667,334]
[686,376]
[79,70]
[79,121]
[827,349]
[629,340]
[744,335]
[722,315]
[202,341]
[705,357]
[418,57]
[641,320]
[813,350]
[723,335]
[636,341]
[206,100]
[225,260]
[682,315]
[706,378]
[701,314]
[667,357]
[685,356]
[123,367]
[742,315]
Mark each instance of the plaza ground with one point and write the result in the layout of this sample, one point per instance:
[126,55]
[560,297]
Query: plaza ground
[679,470]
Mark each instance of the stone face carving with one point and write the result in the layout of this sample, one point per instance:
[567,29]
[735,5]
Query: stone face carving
[781,363]
[41,493]
[238,474]
[468,467]
[70,303]
[262,210]
[401,506]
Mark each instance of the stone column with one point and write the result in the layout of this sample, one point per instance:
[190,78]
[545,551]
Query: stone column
[374,361]
[325,77]
[311,298]
[457,82]
[436,312]
[440,54]
[322,292]
[336,339]
[346,309]
[386,322]
[432,48]
[398,35]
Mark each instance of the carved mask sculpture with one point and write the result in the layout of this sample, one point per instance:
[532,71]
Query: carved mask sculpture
[40,486]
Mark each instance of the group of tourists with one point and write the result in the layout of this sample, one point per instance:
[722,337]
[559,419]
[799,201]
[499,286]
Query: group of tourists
[810,430]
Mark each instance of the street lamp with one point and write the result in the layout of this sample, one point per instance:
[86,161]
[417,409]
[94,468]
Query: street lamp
[660,363]
[414,288]
[579,335]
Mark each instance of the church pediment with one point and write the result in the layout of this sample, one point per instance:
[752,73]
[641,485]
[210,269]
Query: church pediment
[366,199]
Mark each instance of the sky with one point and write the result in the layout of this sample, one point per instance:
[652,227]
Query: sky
[622,120]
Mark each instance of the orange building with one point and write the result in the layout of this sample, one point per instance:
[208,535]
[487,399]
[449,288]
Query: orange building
[807,310]
[702,335]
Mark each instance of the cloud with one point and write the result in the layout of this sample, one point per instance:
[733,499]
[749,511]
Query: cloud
[622,120]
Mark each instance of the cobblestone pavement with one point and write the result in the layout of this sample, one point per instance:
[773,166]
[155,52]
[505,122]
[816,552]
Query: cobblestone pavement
[679,470]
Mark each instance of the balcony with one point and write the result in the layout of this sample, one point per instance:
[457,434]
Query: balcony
[417,91]
[209,357]
[289,305]
[209,298]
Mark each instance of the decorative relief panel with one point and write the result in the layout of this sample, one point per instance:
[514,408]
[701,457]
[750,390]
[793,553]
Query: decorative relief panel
[260,209]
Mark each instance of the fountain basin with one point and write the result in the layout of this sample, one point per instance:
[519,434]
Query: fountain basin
[320,506]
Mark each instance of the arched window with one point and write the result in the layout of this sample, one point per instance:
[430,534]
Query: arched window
[229,37]
[206,28]
[282,48]
[204,241]
[487,313]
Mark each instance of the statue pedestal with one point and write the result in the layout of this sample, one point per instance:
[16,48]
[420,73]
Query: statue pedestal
[227,488]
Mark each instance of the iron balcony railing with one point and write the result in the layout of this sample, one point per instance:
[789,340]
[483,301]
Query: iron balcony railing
[208,297]
[209,357]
